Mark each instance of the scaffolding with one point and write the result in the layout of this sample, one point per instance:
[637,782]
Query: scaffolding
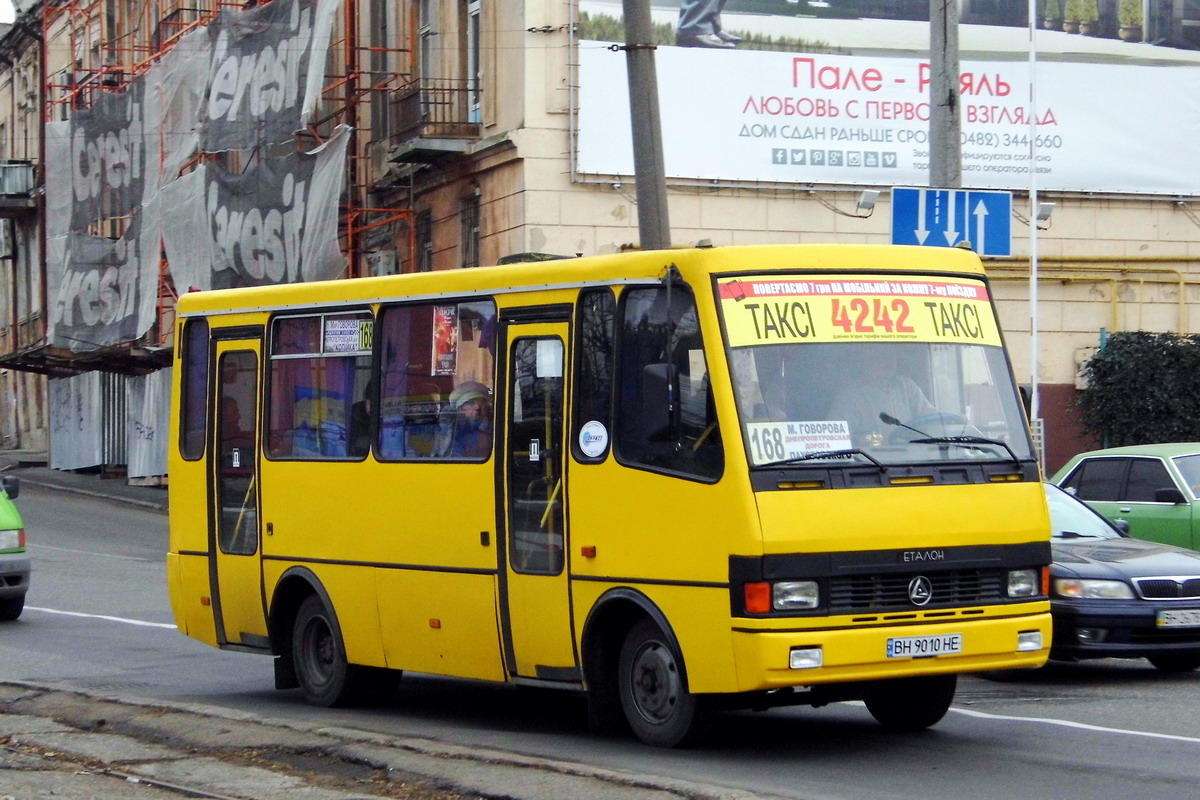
[91,47]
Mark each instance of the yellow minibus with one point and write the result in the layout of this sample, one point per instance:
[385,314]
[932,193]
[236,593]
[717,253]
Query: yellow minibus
[679,481]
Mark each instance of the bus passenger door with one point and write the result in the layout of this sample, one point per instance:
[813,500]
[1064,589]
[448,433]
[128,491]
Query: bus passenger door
[535,604]
[233,528]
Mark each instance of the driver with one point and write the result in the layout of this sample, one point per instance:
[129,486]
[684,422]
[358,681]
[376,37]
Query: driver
[877,389]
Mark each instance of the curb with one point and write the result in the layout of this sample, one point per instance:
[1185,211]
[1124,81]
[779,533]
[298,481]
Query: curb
[484,772]
[112,498]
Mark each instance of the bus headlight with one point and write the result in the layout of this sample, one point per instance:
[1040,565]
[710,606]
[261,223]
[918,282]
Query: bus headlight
[1092,589]
[1023,583]
[795,595]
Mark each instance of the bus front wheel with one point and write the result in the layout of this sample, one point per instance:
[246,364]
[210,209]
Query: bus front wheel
[654,696]
[319,656]
[912,704]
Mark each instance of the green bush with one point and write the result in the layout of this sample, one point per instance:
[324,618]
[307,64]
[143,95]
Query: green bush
[1089,11]
[1129,14]
[1072,10]
[1143,388]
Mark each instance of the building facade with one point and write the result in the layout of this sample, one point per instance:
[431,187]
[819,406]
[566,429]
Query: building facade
[164,149]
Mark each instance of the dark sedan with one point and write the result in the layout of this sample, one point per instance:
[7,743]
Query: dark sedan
[1116,597]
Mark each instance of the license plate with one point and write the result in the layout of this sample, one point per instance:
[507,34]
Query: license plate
[1178,619]
[924,646]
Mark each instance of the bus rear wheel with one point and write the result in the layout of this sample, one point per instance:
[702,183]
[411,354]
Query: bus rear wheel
[912,704]
[654,696]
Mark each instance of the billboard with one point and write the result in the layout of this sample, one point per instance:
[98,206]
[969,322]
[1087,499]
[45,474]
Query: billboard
[845,100]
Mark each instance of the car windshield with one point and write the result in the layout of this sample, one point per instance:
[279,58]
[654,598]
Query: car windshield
[1070,518]
[892,402]
[1189,468]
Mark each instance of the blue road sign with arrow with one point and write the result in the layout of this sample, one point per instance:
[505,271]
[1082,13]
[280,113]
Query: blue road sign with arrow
[947,217]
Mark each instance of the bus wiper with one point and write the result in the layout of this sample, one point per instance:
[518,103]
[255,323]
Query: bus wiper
[827,454]
[963,441]
[969,442]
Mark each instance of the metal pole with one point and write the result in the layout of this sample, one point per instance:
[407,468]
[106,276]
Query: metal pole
[654,227]
[945,125]
[1034,412]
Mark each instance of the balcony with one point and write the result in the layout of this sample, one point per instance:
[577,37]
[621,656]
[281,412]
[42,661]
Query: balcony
[16,188]
[431,119]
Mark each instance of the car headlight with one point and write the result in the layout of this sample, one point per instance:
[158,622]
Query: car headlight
[795,595]
[1089,589]
[12,540]
[1023,583]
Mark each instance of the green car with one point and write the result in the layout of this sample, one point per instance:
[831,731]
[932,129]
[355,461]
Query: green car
[14,561]
[1153,487]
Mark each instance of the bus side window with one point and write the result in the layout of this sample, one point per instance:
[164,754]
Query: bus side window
[320,366]
[595,347]
[657,350]
[194,390]
[426,352]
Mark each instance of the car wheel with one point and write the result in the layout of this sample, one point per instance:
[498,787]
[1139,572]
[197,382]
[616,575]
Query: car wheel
[912,704]
[654,696]
[1176,662]
[10,607]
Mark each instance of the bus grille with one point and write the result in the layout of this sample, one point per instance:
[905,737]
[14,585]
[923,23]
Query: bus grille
[889,592]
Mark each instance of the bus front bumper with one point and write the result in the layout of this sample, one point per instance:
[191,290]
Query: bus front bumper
[774,659]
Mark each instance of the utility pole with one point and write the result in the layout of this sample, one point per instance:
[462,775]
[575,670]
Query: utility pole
[654,227]
[945,121]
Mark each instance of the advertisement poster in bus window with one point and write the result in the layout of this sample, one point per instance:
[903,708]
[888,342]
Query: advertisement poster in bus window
[445,339]
[838,92]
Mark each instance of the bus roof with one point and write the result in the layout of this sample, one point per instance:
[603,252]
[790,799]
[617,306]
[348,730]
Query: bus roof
[630,267]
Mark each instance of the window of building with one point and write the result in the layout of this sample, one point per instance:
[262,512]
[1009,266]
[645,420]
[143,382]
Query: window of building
[320,369]
[469,216]
[474,70]
[666,419]
[424,237]
[426,35]
[436,367]
[193,411]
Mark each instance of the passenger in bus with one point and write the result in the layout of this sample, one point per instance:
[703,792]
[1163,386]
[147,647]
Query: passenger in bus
[876,388]
[237,440]
[360,421]
[471,436]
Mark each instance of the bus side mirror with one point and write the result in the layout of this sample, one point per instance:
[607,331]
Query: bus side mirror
[12,486]
[660,402]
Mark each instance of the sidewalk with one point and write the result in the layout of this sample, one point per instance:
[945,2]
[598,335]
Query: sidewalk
[56,742]
[31,468]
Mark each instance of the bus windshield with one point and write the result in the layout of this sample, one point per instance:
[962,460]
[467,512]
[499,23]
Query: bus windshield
[919,376]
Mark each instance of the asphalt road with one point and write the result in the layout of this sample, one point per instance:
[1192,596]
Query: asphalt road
[97,618]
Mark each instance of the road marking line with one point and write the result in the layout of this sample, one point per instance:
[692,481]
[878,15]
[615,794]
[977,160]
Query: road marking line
[1079,725]
[103,616]
[89,553]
